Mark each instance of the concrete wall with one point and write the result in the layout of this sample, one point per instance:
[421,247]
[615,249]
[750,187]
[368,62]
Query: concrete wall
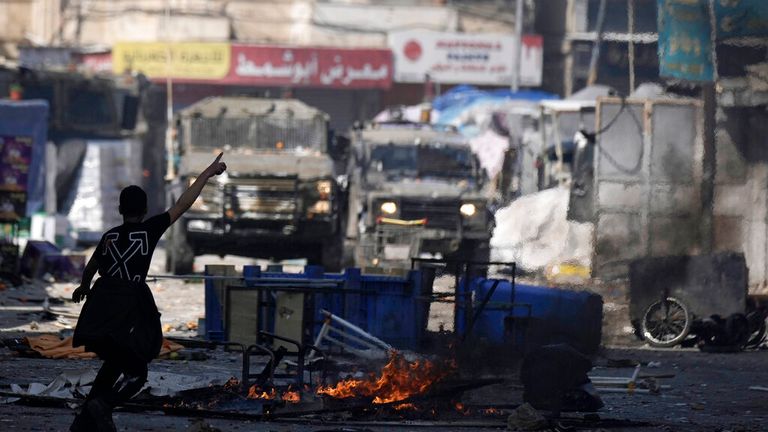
[33,21]
[741,191]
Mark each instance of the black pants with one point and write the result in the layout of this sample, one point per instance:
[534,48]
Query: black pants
[118,361]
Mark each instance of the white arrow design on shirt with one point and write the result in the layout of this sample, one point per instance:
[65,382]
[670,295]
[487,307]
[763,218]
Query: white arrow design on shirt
[120,267]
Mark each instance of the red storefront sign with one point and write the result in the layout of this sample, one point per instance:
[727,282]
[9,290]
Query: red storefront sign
[262,65]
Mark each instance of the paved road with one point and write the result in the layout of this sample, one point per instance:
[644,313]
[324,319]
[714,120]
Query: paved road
[709,392]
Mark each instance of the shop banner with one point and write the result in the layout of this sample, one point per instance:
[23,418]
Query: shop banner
[531,60]
[188,61]
[685,40]
[15,160]
[741,18]
[263,65]
[464,58]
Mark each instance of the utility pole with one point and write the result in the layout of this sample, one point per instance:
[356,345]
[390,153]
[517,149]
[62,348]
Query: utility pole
[169,171]
[631,43]
[596,47]
[519,11]
[709,160]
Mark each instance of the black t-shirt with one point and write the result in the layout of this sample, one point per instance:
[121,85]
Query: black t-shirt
[126,250]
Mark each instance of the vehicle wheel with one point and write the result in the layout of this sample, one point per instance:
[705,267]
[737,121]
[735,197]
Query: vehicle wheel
[332,257]
[666,323]
[179,255]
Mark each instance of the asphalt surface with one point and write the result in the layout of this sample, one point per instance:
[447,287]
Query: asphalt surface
[705,392]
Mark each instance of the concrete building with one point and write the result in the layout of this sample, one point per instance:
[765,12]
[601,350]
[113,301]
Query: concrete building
[91,28]
[628,49]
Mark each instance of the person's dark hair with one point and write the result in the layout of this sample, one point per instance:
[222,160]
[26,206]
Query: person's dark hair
[133,201]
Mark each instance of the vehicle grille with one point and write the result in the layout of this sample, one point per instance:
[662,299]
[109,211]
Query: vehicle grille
[440,215]
[270,198]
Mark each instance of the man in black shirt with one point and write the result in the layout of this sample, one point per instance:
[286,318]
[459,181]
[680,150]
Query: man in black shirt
[120,321]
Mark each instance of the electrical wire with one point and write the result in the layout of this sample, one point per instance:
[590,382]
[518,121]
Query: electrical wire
[603,152]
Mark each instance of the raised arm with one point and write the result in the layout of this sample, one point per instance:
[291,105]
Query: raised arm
[190,195]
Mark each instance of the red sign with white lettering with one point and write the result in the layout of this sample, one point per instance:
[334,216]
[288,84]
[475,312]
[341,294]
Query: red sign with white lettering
[310,67]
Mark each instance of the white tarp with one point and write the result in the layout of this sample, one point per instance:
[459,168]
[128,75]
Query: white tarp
[108,167]
[533,232]
[78,382]
[490,148]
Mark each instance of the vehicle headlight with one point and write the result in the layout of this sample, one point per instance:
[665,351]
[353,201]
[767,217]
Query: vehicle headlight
[321,207]
[389,207]
[468,209]
[200,225]
[324,188]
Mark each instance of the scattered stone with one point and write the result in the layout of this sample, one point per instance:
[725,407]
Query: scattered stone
[526,418]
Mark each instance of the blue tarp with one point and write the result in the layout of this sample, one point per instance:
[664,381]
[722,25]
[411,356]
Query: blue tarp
[464,95]
[459,99]
[29,119]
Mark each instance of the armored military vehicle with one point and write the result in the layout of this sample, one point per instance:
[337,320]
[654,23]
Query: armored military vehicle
[281,196]
[416,190]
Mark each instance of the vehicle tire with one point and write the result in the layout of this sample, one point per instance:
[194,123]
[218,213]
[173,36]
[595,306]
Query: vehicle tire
[666,323]
[332,257]
[180,256]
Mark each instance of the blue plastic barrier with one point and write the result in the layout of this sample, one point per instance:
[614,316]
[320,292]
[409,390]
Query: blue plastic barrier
[388,307]
[539,315]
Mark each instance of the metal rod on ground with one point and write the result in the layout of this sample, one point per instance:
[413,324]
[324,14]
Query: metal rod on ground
[356,329]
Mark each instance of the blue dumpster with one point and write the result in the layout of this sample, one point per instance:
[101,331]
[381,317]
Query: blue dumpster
[533,315]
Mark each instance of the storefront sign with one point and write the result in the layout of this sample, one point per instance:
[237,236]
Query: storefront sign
[456,58]
[179,60]
[96,62]
[310,67]
[531,60]
[685,40]
[741,18]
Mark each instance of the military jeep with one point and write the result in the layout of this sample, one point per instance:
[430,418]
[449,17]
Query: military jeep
[416,190]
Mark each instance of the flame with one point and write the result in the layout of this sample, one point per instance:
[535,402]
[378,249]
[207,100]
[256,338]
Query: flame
[255,392]
[461,408]
[492,411]
[292,396]
[399,380]
[405,406]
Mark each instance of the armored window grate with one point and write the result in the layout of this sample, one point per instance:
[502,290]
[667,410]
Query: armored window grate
[258,133]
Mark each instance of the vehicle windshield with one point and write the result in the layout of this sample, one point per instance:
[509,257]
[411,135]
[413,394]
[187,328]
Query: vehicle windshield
[422,161]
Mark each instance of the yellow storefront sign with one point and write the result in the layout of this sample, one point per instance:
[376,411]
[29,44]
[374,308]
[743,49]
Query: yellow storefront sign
[204,61]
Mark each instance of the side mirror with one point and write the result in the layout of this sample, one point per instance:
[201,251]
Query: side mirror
[130,114]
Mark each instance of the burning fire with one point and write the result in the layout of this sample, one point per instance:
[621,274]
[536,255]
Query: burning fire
[399,380]
[460,407]
[256,392]
[405,406]
[292,396]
